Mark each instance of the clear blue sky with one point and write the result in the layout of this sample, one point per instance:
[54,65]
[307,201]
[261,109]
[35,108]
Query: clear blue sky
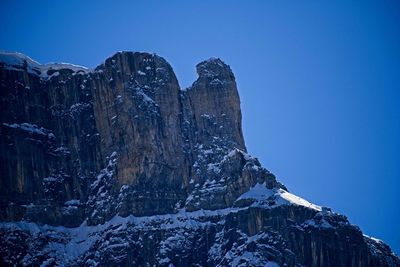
[319,82]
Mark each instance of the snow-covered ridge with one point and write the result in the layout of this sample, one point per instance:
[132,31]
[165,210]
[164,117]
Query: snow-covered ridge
[75,242]
[68,245]
[260,193]
[80,239]
[18,61]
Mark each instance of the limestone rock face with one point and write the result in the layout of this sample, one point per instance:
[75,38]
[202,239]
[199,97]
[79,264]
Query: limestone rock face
[142,173]
[136,102]
[215,104]
[49,144]
[120,139]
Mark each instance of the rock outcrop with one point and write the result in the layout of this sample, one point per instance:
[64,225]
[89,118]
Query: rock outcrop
[118,166]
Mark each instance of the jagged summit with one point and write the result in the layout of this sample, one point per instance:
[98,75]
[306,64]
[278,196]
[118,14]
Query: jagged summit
[214,68]
[133,109]
[117,166]
[133,59]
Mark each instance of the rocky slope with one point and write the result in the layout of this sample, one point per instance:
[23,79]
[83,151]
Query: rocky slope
[117,166]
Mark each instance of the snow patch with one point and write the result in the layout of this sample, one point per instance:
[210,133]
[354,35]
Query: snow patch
[18,61]
[258,192]
[31,128]
[280,197]
[293,199]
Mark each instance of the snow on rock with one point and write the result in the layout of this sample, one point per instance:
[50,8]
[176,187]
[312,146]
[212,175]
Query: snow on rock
[245,250]
[66,245]
[234,152]
[258,192]
[18,61]
[31,129]
[374,239]
[295,200]
[100,203]
[277,196]
[72,202]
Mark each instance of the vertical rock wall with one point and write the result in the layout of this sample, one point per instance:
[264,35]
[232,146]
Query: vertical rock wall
[120,139]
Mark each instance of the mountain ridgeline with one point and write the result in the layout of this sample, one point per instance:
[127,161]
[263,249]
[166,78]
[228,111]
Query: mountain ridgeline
[118,166]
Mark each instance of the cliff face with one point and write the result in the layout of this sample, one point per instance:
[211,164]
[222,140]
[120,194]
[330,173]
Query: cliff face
[144,173]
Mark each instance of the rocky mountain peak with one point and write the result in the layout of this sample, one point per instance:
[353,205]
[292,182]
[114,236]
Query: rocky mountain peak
[142,173]
[214,98]
[139,143]
[136,63]
[214,68]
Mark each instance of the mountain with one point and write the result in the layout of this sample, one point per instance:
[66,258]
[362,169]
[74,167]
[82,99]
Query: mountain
[119,166]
